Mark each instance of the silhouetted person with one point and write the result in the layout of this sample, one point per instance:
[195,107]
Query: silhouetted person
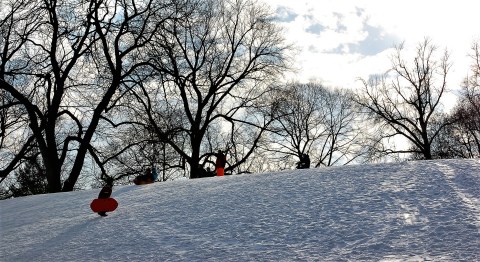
[201,171]
[304,162]
[220,163]
[148,177]
[106,192]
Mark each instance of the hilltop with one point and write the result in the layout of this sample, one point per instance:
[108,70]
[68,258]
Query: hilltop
[423,210]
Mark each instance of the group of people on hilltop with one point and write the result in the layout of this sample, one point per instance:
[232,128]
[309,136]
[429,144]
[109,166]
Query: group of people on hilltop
[151,174]
[221,161]
[149,177]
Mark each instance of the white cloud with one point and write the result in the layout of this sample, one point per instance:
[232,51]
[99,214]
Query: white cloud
[341,40]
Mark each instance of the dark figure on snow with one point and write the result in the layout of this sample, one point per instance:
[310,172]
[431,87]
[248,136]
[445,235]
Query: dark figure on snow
[220,163]
[204,173]
[106,192]
[149,177]
[304,161]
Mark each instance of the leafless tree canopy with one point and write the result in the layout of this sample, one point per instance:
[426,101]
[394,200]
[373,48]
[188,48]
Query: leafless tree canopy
[464,136]
[318,121]
[407,99]
[212,65]
[66,71]
[77,77]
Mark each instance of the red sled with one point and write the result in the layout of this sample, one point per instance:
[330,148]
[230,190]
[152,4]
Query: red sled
[104,205]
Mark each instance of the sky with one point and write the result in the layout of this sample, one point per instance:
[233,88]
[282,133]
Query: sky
[410,211]
[339,41]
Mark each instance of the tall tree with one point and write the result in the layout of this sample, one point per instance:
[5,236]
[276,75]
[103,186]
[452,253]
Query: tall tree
[30,179]
[464,135]
[20,21]
[82,53]
[406,100]
[472,82]
[212,67]
[315,120]
[468,113]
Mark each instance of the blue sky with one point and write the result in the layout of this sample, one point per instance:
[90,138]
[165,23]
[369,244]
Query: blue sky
[339,41]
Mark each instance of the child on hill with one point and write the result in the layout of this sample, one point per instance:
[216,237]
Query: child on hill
[106,192]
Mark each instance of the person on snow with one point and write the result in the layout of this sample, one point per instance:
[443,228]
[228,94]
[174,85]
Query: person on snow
[148,174]
[210,173]
[149,177]
[202,172]
[154,174]
[106,192]
[220,163]
[144,177]
[304,162]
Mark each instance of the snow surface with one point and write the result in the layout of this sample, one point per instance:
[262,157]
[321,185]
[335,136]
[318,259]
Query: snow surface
[412,211]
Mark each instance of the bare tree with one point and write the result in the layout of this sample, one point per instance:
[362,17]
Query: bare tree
[19,21]
[83,53]
[407,99]
[454,141]
[212,66]
[245,134]
[464,135]
[468,113]
[29,179]
[118,54]
[315,120]
[472,82]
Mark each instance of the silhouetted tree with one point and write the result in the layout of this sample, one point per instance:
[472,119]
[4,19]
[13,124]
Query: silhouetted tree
[212,66]
[472,82]
[19,20]
[468,113]
[81,53]
[30,179]
[463,139]
[318,121]
[407,99]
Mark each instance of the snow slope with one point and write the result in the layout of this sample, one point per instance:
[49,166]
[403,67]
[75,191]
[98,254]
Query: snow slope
[413,211]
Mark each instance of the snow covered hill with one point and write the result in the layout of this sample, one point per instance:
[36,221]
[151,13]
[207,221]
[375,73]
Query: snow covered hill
[426,210]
